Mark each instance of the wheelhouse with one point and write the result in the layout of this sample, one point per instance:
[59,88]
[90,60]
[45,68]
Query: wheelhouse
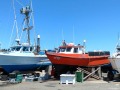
[118,48]
[71,49]
[21,49]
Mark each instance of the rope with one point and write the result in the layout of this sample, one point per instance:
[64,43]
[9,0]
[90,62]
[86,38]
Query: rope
[22,30]
[33,21]
[19,3]
[12,33]
[15,24]
[15,20]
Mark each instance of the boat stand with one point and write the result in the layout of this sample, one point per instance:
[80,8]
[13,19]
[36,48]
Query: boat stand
[94,72]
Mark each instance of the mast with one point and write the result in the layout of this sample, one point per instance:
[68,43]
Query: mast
[118,39]
[84,46]
[26,11]
[73,35]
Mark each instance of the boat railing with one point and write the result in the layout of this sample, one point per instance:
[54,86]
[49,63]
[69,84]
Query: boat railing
[101,53]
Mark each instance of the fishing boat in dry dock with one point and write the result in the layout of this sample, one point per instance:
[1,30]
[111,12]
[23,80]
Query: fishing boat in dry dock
[23,56]
[70,55]
[115,62]
[115,58]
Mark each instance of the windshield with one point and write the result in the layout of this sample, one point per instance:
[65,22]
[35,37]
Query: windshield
[15,48]
[118,49]
[75,50]
[25,48]
[68,49]
[62,50]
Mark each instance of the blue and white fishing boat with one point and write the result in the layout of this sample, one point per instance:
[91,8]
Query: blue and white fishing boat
[23,56]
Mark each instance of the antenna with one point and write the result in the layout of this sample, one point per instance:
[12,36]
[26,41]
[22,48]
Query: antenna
[0,45]
[84,42]
[73,35]
[84,46]
[118,39]
[62,35]
[117,43]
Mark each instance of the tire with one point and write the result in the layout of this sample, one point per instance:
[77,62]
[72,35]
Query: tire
[56,75]
[110,75]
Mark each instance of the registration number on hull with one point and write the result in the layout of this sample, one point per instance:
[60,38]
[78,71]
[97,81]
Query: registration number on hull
[58,58]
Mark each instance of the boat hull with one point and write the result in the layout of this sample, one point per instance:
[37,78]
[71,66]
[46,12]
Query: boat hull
[115,62]
[11,62]
[77,59]
[11,68]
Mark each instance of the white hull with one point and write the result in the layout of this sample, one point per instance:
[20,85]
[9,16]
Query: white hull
[115,62]
[21,61]
[20,58]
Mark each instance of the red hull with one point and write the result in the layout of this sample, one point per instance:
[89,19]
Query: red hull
[77,59]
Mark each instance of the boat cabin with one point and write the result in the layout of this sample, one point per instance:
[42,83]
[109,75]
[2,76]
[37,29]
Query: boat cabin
[118,48]
[21,49]
[71,49]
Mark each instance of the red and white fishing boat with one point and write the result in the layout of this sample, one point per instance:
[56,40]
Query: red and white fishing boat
[75,55]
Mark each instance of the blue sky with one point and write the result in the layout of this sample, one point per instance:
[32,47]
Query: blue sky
[96,21]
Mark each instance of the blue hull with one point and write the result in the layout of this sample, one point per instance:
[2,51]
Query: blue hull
[11,68]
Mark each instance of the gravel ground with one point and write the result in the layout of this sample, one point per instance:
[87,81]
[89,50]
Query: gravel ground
[54,85]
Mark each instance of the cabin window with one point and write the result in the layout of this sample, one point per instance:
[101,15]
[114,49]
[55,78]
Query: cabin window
[75,50]
[62,49]
[25,48]
[118,49]
[18,48]
[12,49]
[68,49]
[31,48]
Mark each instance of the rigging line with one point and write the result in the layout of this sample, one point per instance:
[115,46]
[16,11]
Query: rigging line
[116,44]
[17,30]
[73,35]
[22,29]
[9,23]
[118,40]
[15,20]
[118,37]
[34,27]
[19,3]
[33,20]
[12,33]
[62,34]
